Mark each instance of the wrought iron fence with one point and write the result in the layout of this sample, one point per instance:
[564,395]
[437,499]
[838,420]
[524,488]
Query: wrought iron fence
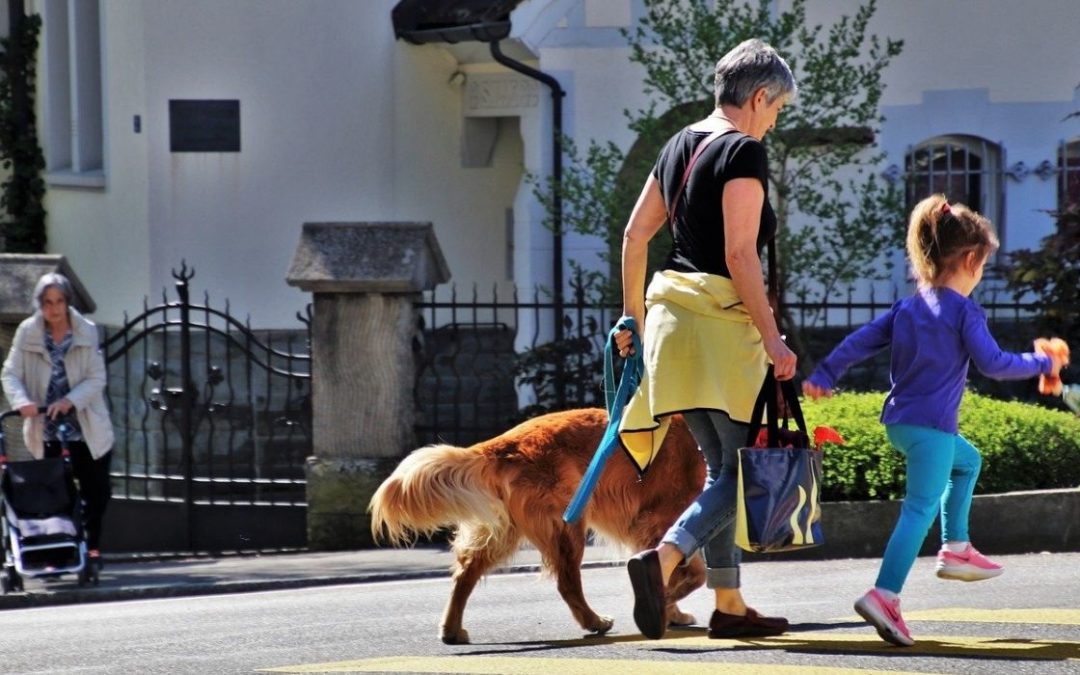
[487,363]
[822,325]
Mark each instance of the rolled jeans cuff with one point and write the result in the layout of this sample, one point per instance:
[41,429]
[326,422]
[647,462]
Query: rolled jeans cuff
[682,540]
[722,577]
[715,577]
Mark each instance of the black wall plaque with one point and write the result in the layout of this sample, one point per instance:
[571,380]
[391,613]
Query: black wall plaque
[204,126]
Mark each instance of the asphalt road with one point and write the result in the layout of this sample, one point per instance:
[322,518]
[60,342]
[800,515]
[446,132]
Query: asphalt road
[1027,621]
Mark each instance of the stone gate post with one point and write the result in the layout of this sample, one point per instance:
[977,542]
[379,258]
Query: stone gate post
[365,278]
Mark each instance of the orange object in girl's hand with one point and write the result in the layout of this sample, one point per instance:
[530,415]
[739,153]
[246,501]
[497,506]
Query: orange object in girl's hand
[1058,350]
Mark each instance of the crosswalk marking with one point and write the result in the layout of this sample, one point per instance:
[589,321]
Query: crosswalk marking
[831,642]
[929,645]
[844,641]
[496,665]
[1064,617]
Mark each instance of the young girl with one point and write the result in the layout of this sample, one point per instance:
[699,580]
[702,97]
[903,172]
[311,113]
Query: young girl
[933,335]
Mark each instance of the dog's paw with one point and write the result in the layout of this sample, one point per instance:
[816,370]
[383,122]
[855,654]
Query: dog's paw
[602,624]
[458,637]
[677,617]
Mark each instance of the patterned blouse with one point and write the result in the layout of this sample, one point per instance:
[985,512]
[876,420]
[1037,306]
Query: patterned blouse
[58,389]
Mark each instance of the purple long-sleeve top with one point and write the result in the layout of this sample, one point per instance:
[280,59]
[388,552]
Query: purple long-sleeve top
[933,334]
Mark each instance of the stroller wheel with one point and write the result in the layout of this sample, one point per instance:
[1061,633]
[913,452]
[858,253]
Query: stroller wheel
[11,581]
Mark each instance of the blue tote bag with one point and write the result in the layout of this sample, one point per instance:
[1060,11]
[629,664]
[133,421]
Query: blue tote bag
[778,505]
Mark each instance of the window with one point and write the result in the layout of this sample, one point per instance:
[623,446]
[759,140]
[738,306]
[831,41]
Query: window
[73,112]
[966,169]
[1069,174]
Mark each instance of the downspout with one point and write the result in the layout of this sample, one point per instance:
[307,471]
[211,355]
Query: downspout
[557,95]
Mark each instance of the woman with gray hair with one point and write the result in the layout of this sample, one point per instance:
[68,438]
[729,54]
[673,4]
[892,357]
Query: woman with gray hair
[709,332]
[55,362]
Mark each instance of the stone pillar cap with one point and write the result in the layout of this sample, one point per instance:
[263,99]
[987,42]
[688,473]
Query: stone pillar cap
[367,257]
[19,273]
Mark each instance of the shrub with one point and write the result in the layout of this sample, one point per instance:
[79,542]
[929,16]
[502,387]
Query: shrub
[1024,446]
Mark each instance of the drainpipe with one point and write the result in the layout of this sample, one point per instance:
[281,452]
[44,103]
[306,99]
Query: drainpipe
[557,95]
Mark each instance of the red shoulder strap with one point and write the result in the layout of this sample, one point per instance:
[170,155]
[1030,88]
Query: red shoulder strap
[686,174]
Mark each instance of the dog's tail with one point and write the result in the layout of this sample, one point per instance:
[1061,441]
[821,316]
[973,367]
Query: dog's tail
[432,488]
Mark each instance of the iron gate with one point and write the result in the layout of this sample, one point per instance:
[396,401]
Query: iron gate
[213,427]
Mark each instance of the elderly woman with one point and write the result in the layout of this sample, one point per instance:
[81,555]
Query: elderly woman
[709,331]
[54,362]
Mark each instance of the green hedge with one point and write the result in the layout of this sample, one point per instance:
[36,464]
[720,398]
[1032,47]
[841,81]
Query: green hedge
[1024,446]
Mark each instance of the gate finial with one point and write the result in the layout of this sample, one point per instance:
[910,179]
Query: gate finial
[185,275]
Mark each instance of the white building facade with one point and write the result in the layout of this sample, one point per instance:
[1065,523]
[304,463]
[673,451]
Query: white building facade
[315,112]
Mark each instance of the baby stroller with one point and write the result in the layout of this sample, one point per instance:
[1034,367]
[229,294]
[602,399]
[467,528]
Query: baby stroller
[41,517]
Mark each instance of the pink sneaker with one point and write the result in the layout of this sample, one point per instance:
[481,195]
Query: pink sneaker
[884,615]
[967,566]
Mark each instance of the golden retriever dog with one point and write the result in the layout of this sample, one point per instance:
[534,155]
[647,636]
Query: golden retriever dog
[517,485]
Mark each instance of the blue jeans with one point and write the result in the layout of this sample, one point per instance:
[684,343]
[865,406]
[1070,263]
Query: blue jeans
[709,522]
[941,472]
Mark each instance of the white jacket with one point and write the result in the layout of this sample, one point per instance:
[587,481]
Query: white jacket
[26,374]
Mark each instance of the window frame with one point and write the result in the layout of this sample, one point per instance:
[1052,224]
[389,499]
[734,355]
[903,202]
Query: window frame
[990,174]
[73,110]
[1068,173]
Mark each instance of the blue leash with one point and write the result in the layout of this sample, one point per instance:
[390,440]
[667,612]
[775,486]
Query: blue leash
[616,400]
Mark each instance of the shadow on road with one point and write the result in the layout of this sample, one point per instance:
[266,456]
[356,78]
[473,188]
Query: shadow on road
[812,638]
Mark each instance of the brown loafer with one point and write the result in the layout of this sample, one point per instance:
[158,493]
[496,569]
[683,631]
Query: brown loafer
[751,625]
[650,607]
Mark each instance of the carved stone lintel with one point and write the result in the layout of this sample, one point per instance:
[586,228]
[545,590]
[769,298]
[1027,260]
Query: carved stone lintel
[485,94]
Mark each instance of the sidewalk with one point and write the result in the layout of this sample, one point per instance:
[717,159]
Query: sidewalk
[129,578]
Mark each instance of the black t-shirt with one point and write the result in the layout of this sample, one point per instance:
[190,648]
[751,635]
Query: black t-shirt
[698,230]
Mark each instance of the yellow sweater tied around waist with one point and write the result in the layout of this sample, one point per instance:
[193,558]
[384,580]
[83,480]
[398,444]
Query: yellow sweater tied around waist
[702,352]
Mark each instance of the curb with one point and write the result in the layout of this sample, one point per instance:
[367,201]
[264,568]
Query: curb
[1011,522]
[121,593]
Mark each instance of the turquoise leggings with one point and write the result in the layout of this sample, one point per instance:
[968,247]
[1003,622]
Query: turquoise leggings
[941,472]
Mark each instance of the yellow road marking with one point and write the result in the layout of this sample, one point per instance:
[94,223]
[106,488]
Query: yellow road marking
[931,645]
[1066,617]
[497,665]
[835,642]
[831,642]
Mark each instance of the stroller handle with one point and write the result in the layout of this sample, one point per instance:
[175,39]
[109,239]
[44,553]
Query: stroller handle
[15,413]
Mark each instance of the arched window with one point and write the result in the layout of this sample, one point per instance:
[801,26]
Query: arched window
[1069,174]
[966,169]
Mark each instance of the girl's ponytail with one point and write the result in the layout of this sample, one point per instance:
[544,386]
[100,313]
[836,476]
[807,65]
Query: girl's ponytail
[940,234]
